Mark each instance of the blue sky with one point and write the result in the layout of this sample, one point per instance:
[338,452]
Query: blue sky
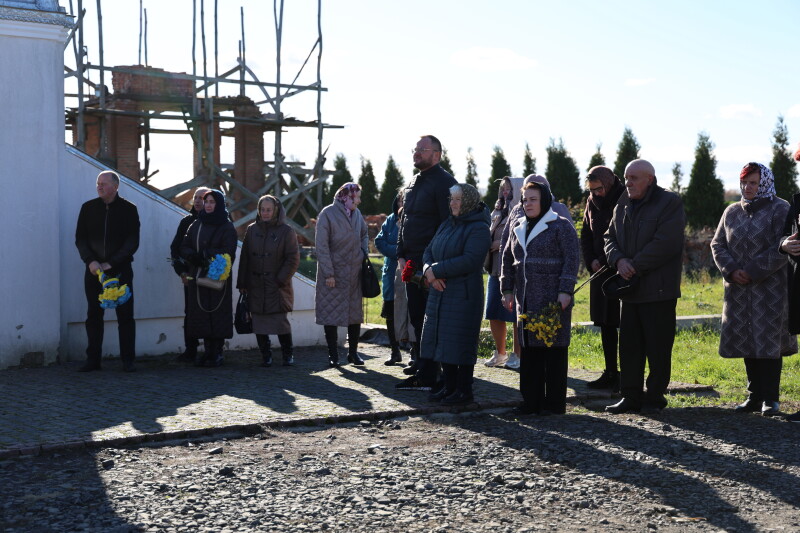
[479,74]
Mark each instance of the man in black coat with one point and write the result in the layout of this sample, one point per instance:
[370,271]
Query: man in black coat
[644,243]
[426,206]
[107,236]
[182,269]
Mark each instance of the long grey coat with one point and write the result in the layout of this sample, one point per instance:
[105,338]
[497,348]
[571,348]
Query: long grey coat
[453,316]
[341,245]
[754,316]
[538,267]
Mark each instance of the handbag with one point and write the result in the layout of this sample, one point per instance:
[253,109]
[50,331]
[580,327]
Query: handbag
[370,287]
[242,320]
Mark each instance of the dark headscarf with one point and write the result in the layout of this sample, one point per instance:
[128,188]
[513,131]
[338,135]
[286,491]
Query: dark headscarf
[502,204]
[219,215]
[609,180]
[545,202]
[470,198]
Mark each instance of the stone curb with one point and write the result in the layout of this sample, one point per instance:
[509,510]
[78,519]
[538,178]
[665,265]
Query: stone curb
[255,428]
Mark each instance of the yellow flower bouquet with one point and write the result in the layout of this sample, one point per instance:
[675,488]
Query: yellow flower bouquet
[545,325]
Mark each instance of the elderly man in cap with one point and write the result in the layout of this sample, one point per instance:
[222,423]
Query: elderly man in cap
[644,243]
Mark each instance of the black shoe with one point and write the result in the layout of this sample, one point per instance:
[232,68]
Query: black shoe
[439,395]
[749,406]
[217,361]
[411,369]
[128,367]
[607,380]
[793,418]
[525,410]
[266,360]
[288,358]
[625,405]
[654,405]
[333,357]
[412,383]
[186,357]
[771,409]
[200,360]
[354,358]
[458,398]
[89,367]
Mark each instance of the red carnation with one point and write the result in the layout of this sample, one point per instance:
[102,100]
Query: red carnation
[408,272]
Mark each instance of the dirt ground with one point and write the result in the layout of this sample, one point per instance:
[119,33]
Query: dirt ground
[698,469]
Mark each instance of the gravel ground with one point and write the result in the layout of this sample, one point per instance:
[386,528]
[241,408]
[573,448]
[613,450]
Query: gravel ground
[682,470]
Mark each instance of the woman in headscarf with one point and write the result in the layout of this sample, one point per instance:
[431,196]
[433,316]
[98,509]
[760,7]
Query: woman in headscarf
[270,257]
[754,314]
[496,314]
[210,311]
[341,246]
[452,270]
[540,267]
[605,188]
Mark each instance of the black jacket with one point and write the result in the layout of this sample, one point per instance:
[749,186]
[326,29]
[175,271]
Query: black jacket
[425,206]
[790,228]
[178,263]
[108,233]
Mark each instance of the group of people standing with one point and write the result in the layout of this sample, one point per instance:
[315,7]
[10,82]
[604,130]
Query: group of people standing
[438,241]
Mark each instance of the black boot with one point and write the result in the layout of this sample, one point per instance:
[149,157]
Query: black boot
[265,347]
[353,331]
[201,359]
[396,356]
[219,358]
[411,369]
[331,338]
[287,349]
[609,379]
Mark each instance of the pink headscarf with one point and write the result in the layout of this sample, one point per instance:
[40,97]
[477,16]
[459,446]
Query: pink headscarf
[346,195]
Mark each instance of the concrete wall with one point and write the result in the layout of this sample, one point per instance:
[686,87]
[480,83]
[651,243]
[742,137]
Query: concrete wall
[31,141]
[159,293]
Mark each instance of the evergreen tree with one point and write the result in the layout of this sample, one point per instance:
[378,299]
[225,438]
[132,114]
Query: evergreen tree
[677,177]
[627,151]
[341,175]
[704,198]
[445,162]
[392,181]
[369,189]
[528,163]
[563,174]
[597,158]
[472,169]
[783,166]
[500,169]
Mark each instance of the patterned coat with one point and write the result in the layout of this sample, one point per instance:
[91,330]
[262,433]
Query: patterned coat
[453,316]
[754,316]
[341,245]
[539,267]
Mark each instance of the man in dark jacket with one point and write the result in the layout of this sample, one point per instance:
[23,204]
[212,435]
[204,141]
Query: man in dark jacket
[107,236]
[644,243]
[182,269]
[426,205]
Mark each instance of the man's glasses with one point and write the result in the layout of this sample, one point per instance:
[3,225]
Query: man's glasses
[415,150]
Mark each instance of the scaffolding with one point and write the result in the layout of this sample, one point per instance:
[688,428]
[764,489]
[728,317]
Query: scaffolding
[111,126]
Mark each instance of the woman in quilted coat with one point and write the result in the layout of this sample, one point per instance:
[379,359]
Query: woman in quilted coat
[539,268]
[341,246]
[453,273]
[746,249]
[270,257]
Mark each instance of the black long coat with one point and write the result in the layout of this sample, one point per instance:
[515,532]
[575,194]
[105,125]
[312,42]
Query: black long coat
[210,312]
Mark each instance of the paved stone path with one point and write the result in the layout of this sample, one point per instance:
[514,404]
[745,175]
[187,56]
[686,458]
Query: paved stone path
[43,409]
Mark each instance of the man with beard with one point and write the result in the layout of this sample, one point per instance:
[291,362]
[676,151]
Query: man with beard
[426,206]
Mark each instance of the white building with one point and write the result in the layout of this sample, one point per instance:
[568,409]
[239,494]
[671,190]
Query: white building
[46,181]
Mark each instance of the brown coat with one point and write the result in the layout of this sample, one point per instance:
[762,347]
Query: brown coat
[341,245]
[269,258]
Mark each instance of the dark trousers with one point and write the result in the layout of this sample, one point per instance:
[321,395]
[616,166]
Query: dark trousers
[332,337]
[458,378]
[763,379]
[610,338]
[543,378]
[427,369]
[388,313]
[94,317]
[190,342]
[646,333]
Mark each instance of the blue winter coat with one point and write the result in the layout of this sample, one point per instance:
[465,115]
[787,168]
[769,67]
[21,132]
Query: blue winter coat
[453,316]
[386,243]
